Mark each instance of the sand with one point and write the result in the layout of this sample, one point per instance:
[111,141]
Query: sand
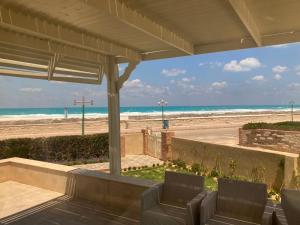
[186,125]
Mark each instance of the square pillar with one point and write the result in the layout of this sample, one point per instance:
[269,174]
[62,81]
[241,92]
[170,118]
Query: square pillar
[113,116]
[166,141]
[145,133]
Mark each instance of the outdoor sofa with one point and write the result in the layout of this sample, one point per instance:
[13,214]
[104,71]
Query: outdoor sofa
[237,203]
[174,202]
[288,212]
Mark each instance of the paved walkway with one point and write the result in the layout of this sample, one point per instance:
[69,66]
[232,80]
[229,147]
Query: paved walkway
[127,161]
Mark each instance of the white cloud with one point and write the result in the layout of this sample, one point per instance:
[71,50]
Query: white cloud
[137,88]
[280,46]
[297,69]
[136,83]
[30,89]
[258,78]
[173,72]
[294,86]
[279,69]
[244,65]
[211,65]
[121,68]
[219,85]
[187,79]
[277,76]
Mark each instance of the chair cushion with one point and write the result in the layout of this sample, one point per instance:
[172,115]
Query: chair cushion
[222,220]
[242,200]
[290,201]
[179,188]
[164,215]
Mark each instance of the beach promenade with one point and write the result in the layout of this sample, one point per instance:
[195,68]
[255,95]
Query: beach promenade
[217,129]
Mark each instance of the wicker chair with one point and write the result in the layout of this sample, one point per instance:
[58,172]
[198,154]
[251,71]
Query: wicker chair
[288,212]
[176,201]
[237,202]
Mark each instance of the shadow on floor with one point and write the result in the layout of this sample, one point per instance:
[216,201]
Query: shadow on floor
[67,211]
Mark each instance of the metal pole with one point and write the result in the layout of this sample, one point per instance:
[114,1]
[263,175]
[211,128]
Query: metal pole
[83,102]
[162,115]
[292,112]
[82,124]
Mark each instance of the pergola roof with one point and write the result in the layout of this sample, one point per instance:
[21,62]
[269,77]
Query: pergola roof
[81,40]
[150,29]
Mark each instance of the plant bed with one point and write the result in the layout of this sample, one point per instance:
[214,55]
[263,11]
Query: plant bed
[286,126]
[157,174]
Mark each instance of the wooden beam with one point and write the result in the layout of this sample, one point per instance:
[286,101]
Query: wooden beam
[49,30]
[128,16]
[122,79]
[241,9]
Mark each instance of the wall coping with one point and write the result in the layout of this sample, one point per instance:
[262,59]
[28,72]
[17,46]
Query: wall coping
[246,148]
[116,178]
[35,163]
[72,170]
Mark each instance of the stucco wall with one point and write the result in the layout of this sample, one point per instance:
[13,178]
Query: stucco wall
[279,140]
[133,143]
[199,152]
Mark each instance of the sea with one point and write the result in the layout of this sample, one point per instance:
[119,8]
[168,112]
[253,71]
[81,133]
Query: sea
[95,112]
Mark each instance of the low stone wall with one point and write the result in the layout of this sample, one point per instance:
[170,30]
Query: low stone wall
[116,193]
[279,140]
[278,168]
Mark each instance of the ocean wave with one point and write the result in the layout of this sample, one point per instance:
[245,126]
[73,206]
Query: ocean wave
[151,113]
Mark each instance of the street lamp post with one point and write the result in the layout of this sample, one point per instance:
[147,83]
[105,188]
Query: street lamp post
[82,103]
[292,110]
[162,103]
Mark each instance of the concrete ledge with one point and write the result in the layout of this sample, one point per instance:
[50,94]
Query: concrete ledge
[116,193]
[121,194]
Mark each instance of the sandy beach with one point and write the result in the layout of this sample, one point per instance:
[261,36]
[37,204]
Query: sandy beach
[188,126]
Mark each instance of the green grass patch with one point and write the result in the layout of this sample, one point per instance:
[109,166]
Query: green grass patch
[157,174]
[287,125]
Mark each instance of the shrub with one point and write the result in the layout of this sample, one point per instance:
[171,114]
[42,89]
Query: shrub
[232,167]
[179,164]
[258,174]
[57,149]
[216,171]
[195,168]
[287,125]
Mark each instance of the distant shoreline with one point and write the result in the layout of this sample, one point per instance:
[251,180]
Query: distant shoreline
[48,119]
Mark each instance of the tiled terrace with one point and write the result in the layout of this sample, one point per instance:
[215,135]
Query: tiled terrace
[28,205]
[38,193]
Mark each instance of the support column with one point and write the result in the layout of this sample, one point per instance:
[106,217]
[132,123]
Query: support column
[166,141]
[114,116]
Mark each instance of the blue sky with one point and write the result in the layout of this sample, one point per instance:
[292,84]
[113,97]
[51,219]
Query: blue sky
[269,75]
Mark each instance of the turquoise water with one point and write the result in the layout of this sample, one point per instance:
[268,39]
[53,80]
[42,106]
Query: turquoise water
[136,111]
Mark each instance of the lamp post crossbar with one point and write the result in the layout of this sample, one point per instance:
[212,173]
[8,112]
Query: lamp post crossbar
[83,102]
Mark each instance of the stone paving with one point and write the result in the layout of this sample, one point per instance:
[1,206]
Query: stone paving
[127,161]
